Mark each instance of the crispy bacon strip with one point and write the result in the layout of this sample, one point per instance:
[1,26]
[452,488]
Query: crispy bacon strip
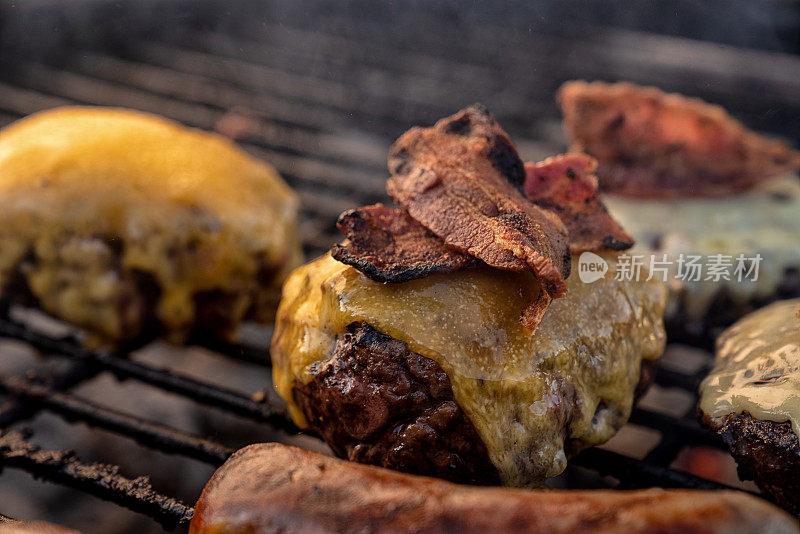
[566,185]
[657,145]
[388,245]
[462,179]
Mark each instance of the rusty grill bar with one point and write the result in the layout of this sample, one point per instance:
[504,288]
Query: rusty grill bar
[42,393]
[327,99]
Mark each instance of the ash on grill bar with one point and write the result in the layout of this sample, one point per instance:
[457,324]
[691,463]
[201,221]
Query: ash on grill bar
[163,163]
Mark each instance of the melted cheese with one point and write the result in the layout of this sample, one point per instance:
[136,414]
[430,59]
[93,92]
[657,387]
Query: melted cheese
[524,394]
[757,368]
[189,207]
[764,220]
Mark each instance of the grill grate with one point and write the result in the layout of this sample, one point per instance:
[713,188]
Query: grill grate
[326,95]
[43,393]
[97,479]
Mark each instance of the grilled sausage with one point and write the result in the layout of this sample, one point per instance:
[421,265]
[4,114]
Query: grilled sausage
[276,488]
[12,526]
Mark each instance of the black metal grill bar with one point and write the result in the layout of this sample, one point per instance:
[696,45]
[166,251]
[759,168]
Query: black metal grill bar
[360,77]
[666,451]
[624,54]
[371,112]
[638,473]
[24,101]
[315,113]
[335,49]
[188,387]
[318,237]
[329,206]
[101,480]
[6,118]
[522,108]
[670,378]
[688,430]
[150,434]
[423,79]
[240,351]
[14,411]
[309,87]
[724,75]
[358,183]
[296,137]
[82,88]
[200,89]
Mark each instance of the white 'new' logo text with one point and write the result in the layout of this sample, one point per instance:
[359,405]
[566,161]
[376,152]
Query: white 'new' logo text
[591,267]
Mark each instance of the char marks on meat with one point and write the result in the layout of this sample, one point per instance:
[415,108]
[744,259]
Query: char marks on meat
[567,186]
[463,186]
[765,451]
[389,246]
[462,179]
[377,402]
[652,144]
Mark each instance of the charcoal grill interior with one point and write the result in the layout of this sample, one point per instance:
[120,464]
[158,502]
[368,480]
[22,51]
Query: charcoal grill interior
[320,90]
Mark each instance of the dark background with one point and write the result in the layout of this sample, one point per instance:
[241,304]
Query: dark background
[668,43]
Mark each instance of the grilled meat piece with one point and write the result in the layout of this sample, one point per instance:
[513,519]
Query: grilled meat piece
[523,389]
[461,182]
[12,526]
[376,402]
[652,144]
[567,186]
[388,245]
[767,452]
[532,400]
[269,488]
[123,223]
[462,179]
[687,181]
[752,398]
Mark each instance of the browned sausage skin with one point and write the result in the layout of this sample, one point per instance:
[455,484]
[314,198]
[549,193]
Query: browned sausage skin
[271,487]
[12,526]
